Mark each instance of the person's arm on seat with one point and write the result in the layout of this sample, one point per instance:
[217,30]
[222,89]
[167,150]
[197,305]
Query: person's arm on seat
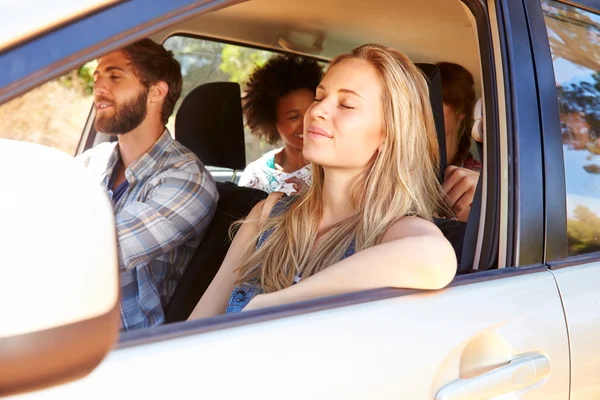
[413,255]
[177,210]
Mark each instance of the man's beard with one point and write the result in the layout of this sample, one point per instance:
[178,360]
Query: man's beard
[126,117]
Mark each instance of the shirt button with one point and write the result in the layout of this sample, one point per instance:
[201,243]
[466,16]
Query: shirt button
[240,296]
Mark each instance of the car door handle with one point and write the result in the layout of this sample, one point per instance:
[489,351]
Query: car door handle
[518,374]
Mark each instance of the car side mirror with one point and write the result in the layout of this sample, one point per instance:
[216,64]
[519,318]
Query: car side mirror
[59,284]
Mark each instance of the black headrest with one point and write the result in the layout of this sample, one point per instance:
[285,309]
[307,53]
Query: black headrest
[209,123]
[437,106]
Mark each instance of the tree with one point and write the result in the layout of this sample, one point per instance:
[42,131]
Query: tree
[582,98]
[583,231]
[574,34]
[240,62]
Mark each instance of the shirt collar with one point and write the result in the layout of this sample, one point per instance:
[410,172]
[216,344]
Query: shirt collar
[144,165]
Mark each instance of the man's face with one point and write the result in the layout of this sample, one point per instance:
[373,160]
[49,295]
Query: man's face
[119,96]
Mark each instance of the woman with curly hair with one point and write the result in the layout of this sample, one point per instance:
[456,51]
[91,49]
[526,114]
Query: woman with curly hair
[277,96]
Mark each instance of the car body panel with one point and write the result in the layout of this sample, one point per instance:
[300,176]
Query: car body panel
[406,347]
[581,299]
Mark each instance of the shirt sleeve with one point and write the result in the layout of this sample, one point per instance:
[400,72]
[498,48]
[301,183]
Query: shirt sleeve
[249,177]
[177,209]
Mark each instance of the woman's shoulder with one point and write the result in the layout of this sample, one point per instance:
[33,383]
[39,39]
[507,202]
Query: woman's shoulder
[264,208]
[411,226]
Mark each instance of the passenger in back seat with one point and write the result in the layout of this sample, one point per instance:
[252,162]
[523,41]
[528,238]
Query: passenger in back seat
[162,195]
[365,222]
[277,96]
[462,173]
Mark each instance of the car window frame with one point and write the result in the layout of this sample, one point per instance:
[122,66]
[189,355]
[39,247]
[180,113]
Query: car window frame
[49,68]
[186,328]
[31,64]
[555,243]
[63,20]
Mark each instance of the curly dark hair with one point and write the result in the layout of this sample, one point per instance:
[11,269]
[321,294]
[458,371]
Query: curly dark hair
[278,77]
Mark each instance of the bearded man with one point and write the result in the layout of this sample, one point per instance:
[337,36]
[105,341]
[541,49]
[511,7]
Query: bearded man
[163,197]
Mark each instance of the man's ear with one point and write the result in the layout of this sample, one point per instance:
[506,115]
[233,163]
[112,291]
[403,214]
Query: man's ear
[158,92]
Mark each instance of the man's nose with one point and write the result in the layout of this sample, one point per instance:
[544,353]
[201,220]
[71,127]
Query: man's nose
[99,87]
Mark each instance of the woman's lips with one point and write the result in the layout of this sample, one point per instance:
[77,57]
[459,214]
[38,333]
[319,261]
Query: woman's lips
[316,132]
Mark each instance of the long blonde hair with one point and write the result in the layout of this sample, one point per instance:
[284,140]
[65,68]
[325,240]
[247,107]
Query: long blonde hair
[400,180]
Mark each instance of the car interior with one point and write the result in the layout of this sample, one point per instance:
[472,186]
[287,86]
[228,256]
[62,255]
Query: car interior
[210,122]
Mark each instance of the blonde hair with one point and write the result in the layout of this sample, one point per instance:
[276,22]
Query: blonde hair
[400,180]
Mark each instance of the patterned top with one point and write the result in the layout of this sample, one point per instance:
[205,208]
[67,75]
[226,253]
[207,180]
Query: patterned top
[471,163]
[241,295]
[160,221]
[261,174]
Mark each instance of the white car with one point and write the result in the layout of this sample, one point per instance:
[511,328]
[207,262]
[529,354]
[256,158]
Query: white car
[520,320]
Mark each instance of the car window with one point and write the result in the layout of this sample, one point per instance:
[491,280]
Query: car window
[574,36]
[53,114]
[203,61]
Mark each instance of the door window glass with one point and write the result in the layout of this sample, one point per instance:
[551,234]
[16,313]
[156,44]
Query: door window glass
[574,36]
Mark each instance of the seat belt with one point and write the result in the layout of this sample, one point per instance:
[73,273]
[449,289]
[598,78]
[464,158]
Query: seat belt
[472,229]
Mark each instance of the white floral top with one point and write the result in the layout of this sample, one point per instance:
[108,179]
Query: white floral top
[261,174]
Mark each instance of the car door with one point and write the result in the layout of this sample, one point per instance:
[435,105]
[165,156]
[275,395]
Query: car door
[483,337]
[568,55]
[491,334]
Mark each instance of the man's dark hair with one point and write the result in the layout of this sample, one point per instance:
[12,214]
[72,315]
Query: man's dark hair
[280,76]
[153,63]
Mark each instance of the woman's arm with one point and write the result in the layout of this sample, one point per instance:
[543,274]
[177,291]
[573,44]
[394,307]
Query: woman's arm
[413,254]
[214,300]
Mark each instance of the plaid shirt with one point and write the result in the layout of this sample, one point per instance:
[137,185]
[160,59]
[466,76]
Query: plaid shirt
[160,221]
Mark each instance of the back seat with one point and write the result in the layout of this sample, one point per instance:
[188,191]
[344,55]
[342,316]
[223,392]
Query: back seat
[209,122]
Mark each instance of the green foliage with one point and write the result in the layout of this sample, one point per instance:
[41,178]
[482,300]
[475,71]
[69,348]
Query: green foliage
[81,78]
[239,62]
[86,74]
[583,231]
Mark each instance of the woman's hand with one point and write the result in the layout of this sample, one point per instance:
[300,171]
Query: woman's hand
[460,185]
[297,183]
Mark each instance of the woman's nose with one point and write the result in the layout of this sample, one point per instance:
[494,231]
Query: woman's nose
[319,110]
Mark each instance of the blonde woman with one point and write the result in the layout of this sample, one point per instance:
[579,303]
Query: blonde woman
[366,220]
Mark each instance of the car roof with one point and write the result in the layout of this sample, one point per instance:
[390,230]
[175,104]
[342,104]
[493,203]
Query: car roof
[427,31]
